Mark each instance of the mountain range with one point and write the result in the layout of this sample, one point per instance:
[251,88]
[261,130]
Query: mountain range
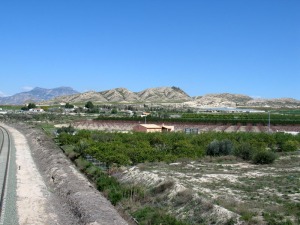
[238,100]
[160,94]
[36,95]
[156,95]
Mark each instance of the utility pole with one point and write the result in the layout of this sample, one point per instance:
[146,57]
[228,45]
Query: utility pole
[269,122]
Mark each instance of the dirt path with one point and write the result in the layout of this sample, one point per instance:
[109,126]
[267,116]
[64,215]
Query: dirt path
[32,193]
[50,190]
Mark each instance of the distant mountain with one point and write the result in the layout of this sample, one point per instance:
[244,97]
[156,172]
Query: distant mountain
[160,94]
[154,95]
[119,95]
[221,100]
[274,103]
[164,94]
[237,100]
[36,95]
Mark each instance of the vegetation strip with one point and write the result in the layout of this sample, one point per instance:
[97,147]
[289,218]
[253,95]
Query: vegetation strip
[118,149]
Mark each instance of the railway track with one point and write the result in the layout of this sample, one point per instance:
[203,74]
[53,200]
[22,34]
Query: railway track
[5,150]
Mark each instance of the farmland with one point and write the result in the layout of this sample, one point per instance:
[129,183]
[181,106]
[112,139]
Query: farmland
[127,125]
[186,176]
[229,173]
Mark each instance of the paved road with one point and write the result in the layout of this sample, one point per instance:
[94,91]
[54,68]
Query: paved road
[7,189]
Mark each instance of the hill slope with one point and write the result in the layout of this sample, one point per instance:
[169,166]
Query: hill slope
[160,94]
[236,100]
[154,95]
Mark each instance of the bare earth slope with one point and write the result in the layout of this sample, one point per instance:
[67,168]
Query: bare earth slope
[235,100]
[65,195]
[160,94]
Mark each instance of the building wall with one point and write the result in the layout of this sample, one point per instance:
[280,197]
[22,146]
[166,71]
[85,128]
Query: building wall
[151,130]
[140,128]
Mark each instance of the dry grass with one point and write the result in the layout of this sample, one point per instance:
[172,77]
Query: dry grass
[242,191]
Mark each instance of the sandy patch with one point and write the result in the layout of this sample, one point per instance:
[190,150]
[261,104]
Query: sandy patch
[32,192]
[61,125]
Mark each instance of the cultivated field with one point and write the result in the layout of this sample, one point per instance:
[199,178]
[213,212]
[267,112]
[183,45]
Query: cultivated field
[111,125]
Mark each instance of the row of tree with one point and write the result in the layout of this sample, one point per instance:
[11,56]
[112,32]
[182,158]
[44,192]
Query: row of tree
[133,148]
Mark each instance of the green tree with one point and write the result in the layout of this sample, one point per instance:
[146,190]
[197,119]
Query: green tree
[244,151]
[264,157]
[290,146]
[89,105]
[31,106]
[218,148]
[69,106]
[114,111]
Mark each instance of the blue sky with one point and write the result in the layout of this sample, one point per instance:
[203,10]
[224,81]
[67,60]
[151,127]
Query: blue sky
[247,47]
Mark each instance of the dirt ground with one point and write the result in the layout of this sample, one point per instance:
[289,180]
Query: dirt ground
[50,190]
[128,126]
[238,189]
[32,193]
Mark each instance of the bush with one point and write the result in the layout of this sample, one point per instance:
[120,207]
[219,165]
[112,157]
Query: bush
[218,148]
[226,147]
[264,157]
[162,187]
[213,148]
[68,130]
[92,171]
[114,196]
[244,151]
[105,182]
[290,146]
[183,197]
[82,164]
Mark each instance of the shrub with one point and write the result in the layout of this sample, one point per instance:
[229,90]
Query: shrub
[218,148]
[213,148]
[72,155]
[92,171]
[264,157]
[68,130]
[82,164]
[106,182]
[114,196]
[226,147]
[183,197]
[163,187]
[244,151]
[290,146]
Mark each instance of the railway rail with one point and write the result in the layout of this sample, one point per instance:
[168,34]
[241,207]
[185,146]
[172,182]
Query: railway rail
[5,151]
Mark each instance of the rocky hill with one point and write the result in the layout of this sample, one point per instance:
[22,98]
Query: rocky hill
[36,95]
[154,95]
[160,94]
[222,100]
[237,100]
[163,94]
[119,95]
[274,103]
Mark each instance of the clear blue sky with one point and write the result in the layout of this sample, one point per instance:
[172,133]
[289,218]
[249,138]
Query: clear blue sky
[247,47]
